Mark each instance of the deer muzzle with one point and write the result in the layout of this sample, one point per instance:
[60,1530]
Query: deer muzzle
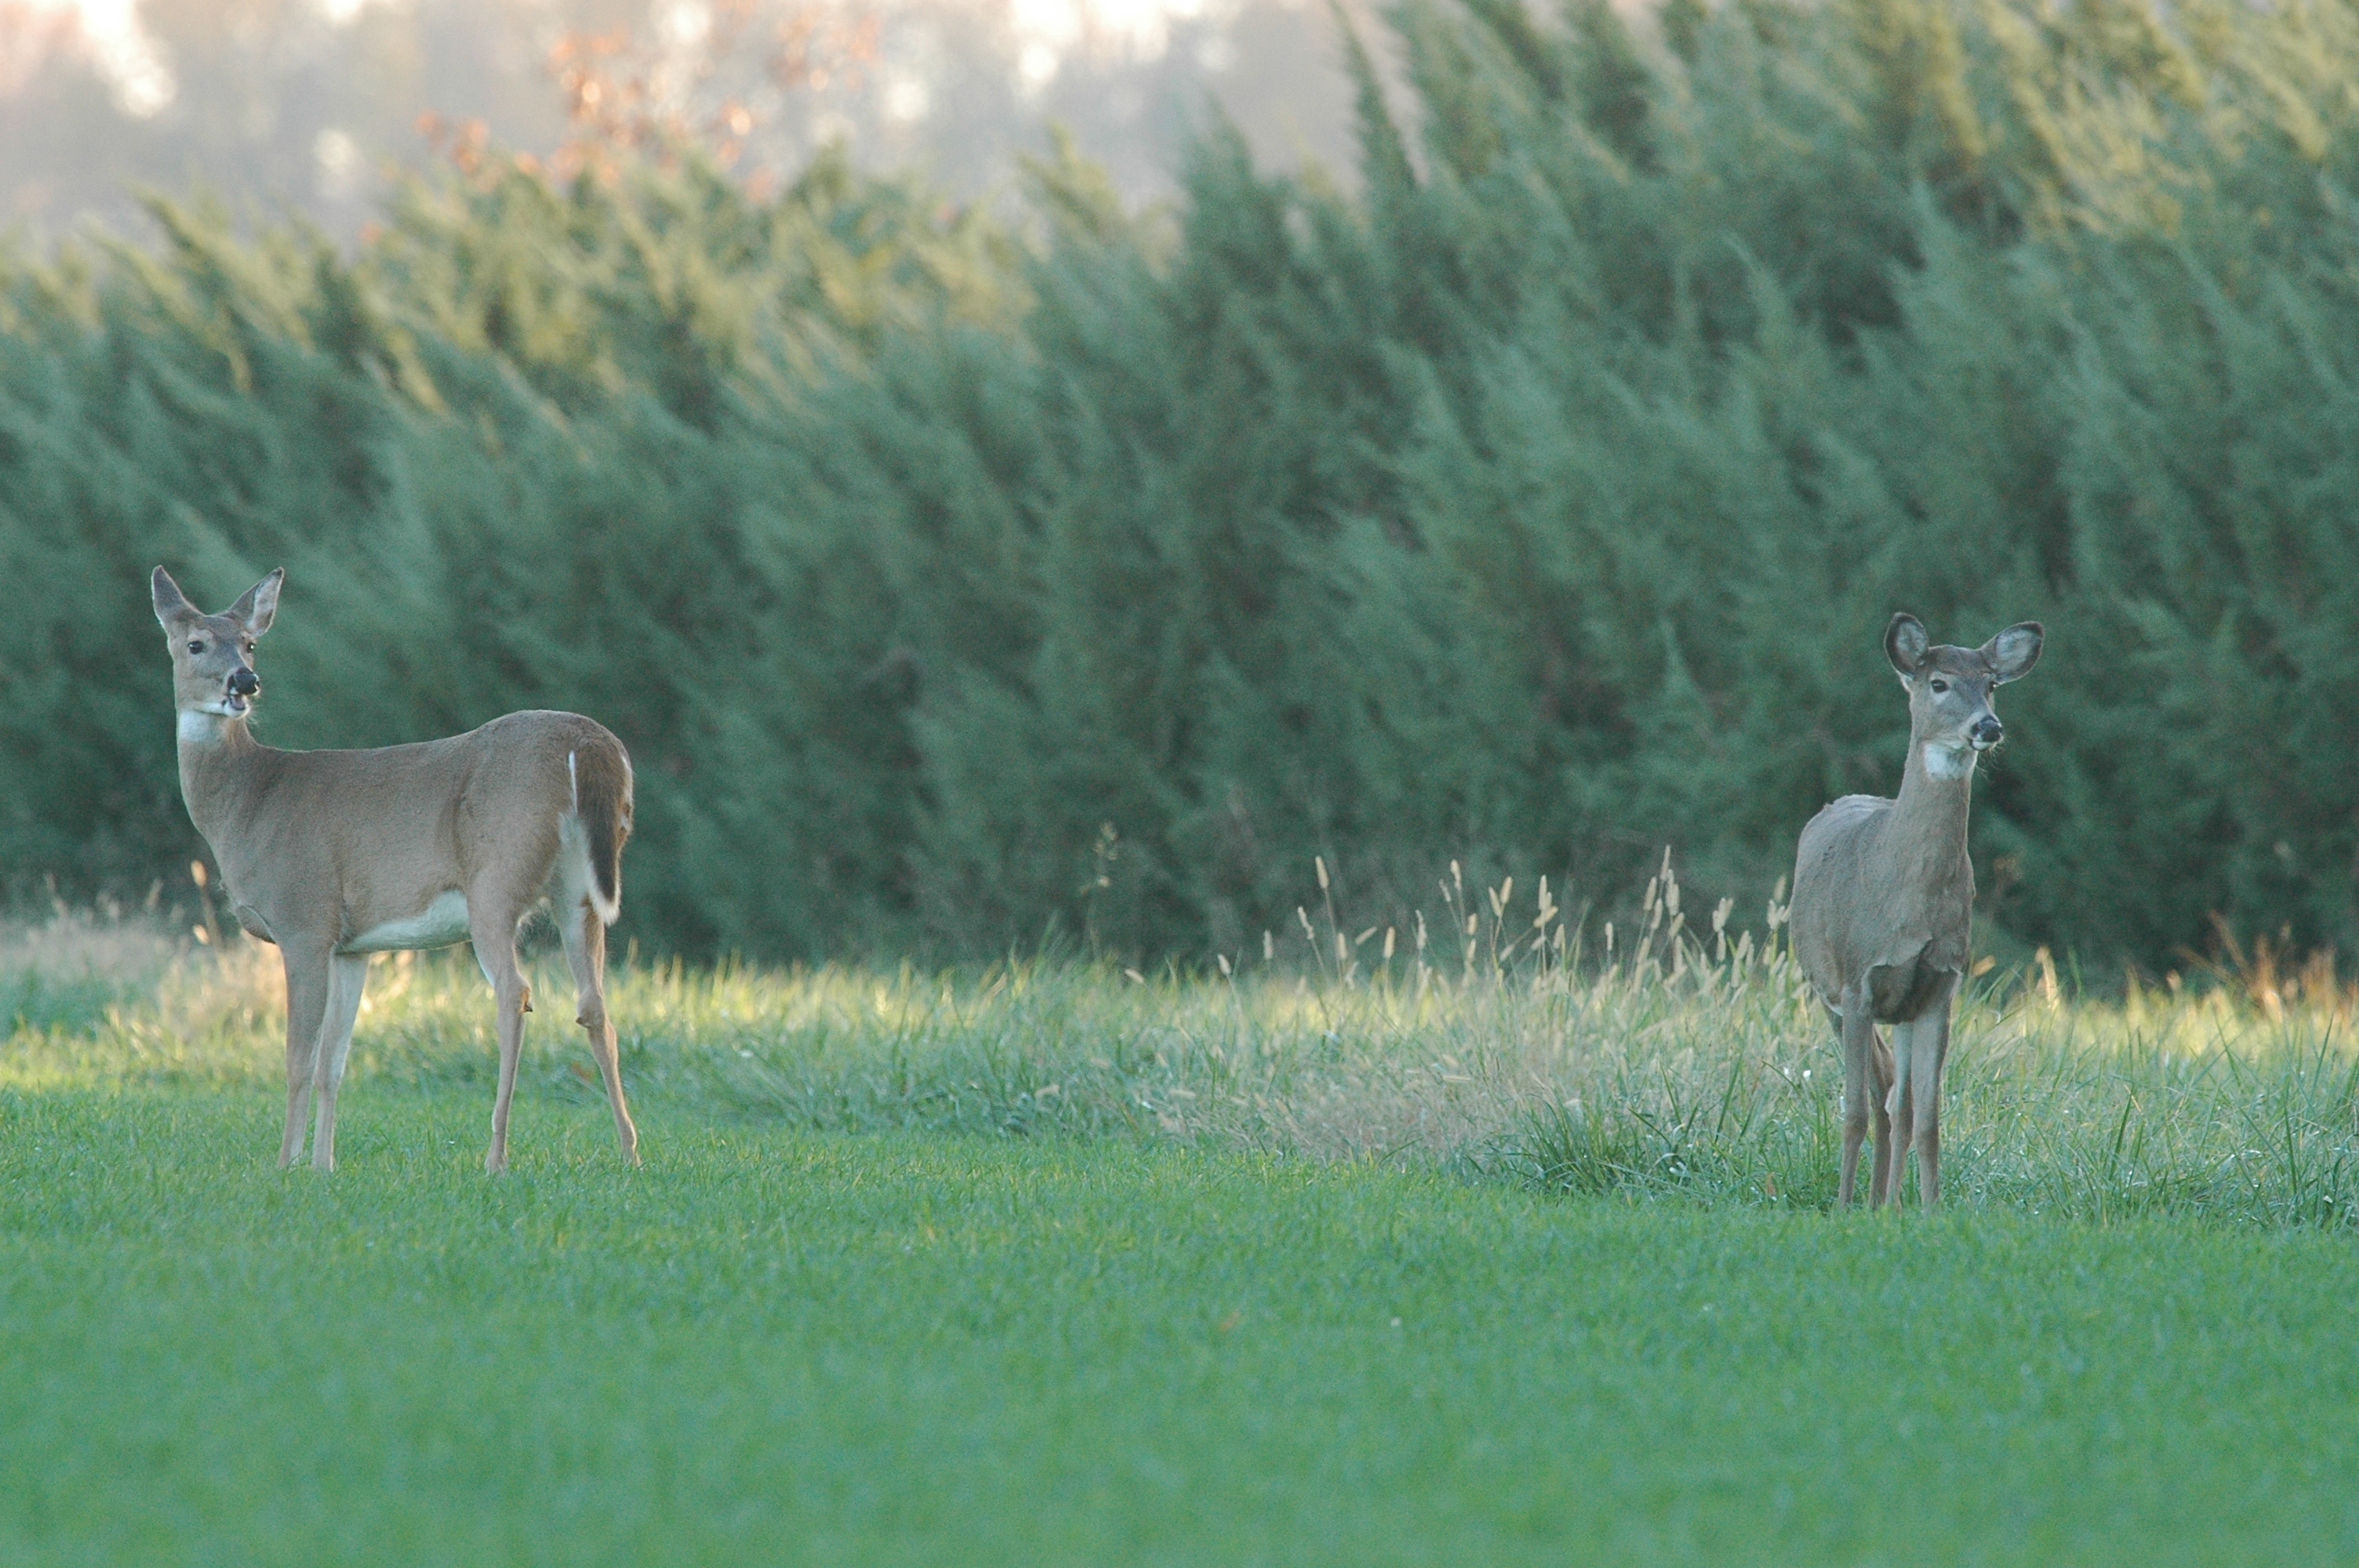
[1987,731]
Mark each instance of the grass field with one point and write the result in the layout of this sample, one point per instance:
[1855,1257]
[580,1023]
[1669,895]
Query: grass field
[1052,1265]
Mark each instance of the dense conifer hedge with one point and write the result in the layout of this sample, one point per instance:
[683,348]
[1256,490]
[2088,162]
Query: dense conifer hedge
[957,579]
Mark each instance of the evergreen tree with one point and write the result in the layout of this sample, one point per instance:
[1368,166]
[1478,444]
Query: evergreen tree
[961,581]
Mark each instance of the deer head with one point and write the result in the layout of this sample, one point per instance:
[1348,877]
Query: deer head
[212,655]
[1951,719]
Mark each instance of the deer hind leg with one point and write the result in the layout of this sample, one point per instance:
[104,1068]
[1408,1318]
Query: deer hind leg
[585,951]
[1880,1190]
[493,932]
[308,979]
[1930,1050]
[1856,1027]
[347,976]
[1900,1109]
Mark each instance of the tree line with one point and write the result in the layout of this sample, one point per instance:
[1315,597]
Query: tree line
[969,576]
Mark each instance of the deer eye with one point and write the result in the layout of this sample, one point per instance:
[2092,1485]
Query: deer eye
[196,647]
[1940,684]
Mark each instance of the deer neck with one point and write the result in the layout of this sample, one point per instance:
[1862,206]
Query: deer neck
[1930,813]
[218,769]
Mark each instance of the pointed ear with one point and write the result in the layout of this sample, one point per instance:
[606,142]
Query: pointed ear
[261,603]
[171,604]
[1904,643]
[2012,652]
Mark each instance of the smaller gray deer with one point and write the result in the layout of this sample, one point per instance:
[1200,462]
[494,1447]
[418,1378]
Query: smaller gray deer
[1884,900]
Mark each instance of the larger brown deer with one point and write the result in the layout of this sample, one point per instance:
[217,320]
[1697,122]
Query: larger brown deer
[338,855]
[1884,900]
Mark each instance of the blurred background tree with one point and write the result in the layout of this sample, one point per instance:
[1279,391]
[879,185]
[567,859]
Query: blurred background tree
[966,572]
[306,103]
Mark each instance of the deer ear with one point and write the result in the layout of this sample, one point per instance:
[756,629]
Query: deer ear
[1904,643]
[261,603]
[2012,652]
[171,604]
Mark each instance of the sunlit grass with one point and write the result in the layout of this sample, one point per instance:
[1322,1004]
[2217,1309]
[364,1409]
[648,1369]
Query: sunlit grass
[1269,1266]
[1670,1065]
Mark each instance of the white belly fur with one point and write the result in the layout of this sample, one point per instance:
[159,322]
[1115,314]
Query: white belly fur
[441,922]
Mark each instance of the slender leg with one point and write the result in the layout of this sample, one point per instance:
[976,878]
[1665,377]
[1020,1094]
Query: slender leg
[307,1004]
[1879,1099]
[585,950]
[348,975]
[1930,1050]
[1899,1107]
[1859,1045]
[1843,1049]
[493,932]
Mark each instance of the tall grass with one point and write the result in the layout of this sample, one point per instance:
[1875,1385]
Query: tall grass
[1671,1063]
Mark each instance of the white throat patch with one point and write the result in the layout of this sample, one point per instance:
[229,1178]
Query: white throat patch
[198,727]
[1949,763]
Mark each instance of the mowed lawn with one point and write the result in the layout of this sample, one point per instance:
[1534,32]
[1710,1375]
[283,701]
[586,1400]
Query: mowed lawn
[799,1347]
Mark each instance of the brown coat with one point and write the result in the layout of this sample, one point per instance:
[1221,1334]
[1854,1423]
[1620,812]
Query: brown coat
[337,855]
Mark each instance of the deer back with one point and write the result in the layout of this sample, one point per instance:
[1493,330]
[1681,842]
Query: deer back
[345,842]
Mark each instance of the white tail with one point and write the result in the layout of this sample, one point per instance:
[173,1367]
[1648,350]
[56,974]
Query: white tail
[338,855]
[1883,899]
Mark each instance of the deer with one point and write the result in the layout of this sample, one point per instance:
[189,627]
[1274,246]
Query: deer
[337,855]
[1883,904]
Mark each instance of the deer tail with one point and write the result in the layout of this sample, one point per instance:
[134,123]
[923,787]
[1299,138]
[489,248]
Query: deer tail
[602,801]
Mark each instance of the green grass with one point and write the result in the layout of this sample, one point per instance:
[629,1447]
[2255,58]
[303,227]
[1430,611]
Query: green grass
[776,1344]
[1525,1262]
[1674,1070]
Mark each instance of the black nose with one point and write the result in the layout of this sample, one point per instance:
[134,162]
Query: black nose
[244,683]
[1988,731]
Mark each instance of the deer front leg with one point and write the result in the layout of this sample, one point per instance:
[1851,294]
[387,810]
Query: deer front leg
[307,1004]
